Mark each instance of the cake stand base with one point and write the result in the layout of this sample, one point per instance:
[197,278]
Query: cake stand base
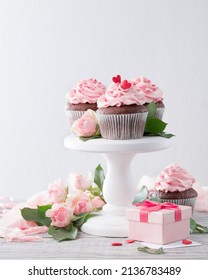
[104,225]
[119,188]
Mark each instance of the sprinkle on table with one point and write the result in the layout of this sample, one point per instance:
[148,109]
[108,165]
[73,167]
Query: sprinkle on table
[186,241]
[130,241]
[116,244]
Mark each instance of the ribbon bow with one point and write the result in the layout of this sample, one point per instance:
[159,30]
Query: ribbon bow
[150,206]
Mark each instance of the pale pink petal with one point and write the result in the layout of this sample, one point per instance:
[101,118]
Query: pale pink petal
[39,199]
[13,218]
[18,236]
[202,199]
[35,230]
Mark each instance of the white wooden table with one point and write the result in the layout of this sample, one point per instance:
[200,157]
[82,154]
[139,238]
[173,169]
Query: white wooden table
[93,247]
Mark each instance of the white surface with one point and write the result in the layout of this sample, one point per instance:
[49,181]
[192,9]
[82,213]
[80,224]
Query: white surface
[172,245]
[47,46]
[119,188]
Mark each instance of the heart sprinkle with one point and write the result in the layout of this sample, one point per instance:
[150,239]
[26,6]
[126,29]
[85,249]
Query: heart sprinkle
[125,84]
[116,244]
[117,79]
[186,241]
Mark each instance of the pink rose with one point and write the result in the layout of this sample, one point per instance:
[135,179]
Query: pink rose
[79,182]
[60,215]
[84,205]
[57,192]
[87,125]
[80,202]
[97,202]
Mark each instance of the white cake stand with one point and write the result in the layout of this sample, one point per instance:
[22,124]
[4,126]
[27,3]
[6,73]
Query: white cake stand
[119,188]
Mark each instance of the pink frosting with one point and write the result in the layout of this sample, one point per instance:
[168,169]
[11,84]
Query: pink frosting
[86,91]
[115,95]
[149,90]
[174,178]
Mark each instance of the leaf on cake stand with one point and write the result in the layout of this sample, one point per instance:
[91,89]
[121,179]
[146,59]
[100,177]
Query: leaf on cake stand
[141,195]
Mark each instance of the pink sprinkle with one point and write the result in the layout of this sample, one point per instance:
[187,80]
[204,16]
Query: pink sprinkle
[130,241]
[116,244]
[186,241]
[146,80]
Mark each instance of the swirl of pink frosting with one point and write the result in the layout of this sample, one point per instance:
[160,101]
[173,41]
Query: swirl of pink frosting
[86,91]
[115,95]
[149,90]
[174,178]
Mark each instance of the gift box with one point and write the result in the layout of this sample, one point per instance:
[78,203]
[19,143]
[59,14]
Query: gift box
[159,223]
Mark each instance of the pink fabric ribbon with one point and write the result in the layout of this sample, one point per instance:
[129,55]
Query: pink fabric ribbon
[150,206]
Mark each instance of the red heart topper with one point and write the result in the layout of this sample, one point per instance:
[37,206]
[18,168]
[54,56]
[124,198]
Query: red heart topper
[117,79]
[125,84]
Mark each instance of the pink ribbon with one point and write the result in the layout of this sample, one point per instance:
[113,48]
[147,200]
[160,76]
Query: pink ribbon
[150,206]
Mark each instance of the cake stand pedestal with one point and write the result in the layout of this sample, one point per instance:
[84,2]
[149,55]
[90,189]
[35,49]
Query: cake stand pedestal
[119,188]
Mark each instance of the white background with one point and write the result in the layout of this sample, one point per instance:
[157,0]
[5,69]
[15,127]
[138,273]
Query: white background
[47,46]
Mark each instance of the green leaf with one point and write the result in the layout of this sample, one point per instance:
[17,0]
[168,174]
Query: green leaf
[155,126]
[84,139]
[37,215]
[151,108]
[141,195]
[99,176]
[155,199]
[44,208]
[62,234]
[79,222]
[166,135]
[150,250]
[192,225]
[197,228]
[30,215]
[45,221]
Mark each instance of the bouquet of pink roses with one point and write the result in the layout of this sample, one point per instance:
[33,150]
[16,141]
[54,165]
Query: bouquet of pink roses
[64,209]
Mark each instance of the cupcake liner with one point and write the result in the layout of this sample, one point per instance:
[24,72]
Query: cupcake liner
[122,126]
[159,113]
[73,116]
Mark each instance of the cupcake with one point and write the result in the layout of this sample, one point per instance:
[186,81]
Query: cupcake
[151,93]
[175,184]
[83,96]
[121,114]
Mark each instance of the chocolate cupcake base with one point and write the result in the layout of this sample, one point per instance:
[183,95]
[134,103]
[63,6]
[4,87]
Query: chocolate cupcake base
[187,197]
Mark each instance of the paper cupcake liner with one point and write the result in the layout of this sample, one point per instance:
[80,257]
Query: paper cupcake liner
[159,113]
[122,126]
[73,116]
